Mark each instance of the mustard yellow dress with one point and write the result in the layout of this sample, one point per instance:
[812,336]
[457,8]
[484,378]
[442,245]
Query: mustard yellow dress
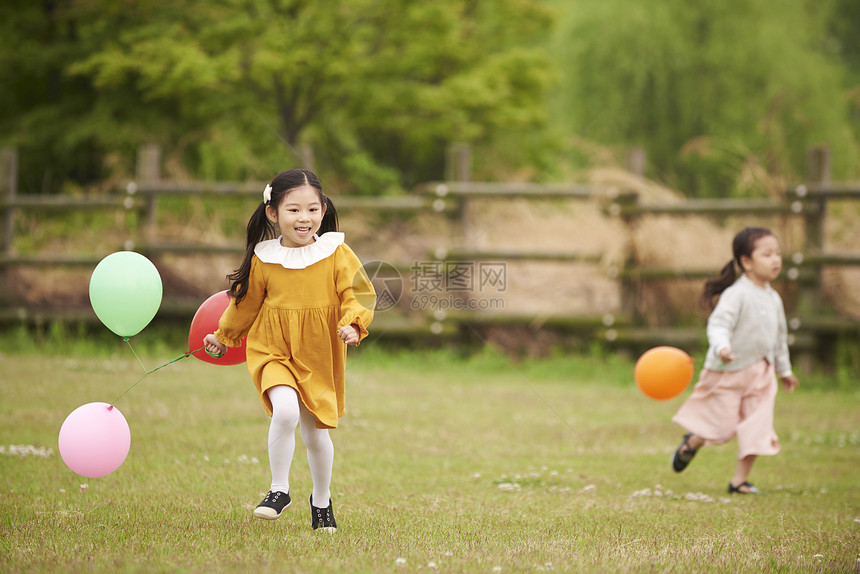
[297,300]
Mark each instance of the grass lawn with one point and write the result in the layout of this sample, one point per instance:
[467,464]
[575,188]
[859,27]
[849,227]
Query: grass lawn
[441,464]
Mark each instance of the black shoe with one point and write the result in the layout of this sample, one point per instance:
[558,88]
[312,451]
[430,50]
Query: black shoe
[737,489]
[680,459]
[322,517]
[273,505]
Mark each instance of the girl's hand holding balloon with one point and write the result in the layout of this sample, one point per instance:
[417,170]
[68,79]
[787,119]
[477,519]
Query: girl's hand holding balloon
[349,334]
[213,346]
[205,322]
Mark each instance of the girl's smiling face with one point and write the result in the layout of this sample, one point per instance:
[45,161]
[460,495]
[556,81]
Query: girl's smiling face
[765,263]
[298,216]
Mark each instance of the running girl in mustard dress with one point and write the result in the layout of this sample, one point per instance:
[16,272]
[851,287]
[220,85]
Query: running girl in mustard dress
[300,296]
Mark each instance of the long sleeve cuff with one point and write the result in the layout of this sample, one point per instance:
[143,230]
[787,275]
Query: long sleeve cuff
[219,334]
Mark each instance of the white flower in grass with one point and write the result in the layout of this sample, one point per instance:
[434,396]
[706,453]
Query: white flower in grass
[431,564]
[27,450]
[499,568]
[587,488]
[698,496]
[84,487]
[509,486]
[400,561]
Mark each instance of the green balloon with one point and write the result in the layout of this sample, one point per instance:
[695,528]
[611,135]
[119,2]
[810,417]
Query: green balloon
[125,292]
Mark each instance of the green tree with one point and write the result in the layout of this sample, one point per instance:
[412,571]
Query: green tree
[230,89]
[41,105]
[845,40]
[725,96]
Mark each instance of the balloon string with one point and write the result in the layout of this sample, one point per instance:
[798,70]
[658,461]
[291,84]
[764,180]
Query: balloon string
[149,372]
[130,388]
[135,355]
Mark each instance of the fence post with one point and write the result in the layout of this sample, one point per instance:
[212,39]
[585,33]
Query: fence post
[458,162]
[818,165]
[630,286]
[149,171]
[458,167]
[815,212]
[8,191]
[637,160]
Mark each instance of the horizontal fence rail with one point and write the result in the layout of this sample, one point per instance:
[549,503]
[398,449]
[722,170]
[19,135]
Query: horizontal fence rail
[712,207]
[477,190]
[570,256]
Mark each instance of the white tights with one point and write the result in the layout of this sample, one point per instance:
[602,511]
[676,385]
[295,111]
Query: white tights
[286,412]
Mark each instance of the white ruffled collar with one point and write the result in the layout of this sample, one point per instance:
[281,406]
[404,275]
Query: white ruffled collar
[272,251]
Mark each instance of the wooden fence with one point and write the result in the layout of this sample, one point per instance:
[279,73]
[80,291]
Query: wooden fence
[812,334]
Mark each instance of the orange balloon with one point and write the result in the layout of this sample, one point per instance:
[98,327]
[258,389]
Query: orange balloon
[663,373]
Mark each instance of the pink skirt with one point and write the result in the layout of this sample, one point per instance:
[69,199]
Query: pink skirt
[729,403]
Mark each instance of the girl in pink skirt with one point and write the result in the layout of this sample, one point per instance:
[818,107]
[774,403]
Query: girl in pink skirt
[747,347]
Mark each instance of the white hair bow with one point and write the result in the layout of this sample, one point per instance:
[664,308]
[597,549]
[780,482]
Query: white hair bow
[267,194]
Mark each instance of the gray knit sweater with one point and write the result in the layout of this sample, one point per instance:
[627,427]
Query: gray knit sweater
[751,321]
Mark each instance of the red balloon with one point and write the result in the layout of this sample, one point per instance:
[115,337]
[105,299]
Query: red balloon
[205,321]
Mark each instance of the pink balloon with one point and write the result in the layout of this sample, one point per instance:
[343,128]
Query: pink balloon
[94,440]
